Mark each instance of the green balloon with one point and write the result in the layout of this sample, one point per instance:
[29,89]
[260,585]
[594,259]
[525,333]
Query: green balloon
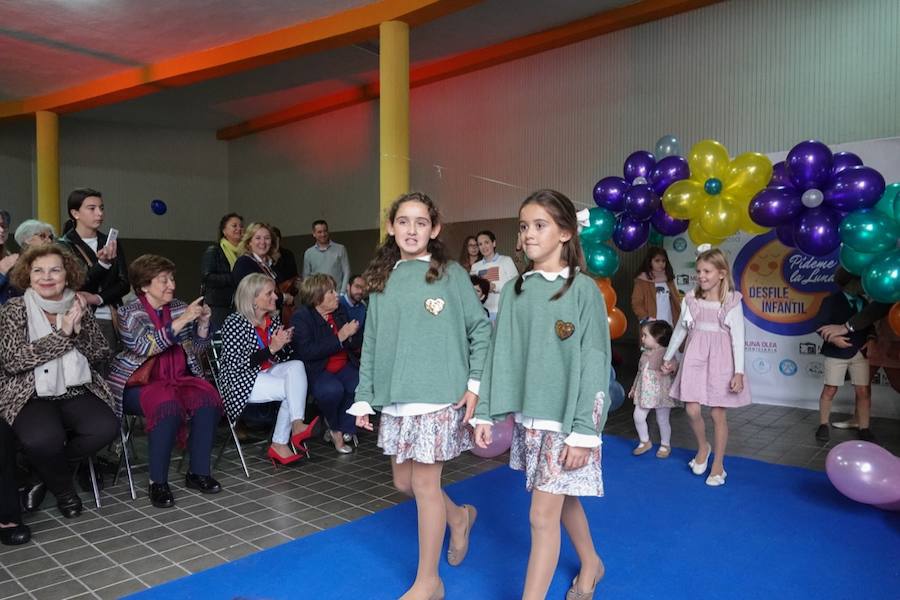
[712,186]
[602,223]
[869,231]
[881,281]
[656,238]
[855,262]
[602,260]
[887,202]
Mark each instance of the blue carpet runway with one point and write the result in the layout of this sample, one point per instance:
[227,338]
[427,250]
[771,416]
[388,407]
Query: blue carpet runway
[771,532]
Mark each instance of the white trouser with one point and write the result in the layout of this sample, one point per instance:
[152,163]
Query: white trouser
[662,419]
[285,382]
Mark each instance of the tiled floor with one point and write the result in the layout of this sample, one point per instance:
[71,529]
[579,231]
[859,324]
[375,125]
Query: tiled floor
[128,545]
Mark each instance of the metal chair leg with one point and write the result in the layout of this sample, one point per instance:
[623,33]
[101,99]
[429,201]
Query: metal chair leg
[237,444]
[90,462]
[127,466]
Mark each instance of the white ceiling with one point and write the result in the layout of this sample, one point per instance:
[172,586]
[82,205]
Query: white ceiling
[52,44]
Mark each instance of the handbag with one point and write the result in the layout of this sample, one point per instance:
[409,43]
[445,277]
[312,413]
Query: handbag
[141,376]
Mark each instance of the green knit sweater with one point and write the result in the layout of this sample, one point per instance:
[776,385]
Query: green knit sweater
[549,359]
[423,341]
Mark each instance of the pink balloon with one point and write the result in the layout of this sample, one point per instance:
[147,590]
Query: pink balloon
[865,472]
[501,439]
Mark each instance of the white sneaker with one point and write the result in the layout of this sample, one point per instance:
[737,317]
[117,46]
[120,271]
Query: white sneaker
[848,424]
[716,480]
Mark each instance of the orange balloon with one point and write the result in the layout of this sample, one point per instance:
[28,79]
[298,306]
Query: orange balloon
[617,323]
[894,318]
[609,294]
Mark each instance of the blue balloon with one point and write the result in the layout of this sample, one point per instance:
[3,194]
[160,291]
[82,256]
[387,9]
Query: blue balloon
[158,207]
[616,395]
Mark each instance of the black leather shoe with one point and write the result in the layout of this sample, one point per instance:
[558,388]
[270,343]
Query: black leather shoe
[866,435]
[204,483]
[161,496]
[822,434]
[15,536]
[34,496]
[69,504]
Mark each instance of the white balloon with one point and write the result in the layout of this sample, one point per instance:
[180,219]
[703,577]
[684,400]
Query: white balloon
[639,181]
[812,198]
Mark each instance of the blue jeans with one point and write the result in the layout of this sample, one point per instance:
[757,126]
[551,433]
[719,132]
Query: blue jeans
[162,438]
[334,393]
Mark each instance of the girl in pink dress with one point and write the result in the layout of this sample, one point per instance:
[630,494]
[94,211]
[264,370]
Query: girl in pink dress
[712,371]
[651,389]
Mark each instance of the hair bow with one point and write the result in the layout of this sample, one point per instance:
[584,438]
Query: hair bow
[703,248]
[583,217]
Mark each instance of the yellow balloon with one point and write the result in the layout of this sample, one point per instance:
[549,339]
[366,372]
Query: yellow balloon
[708,158]
[698,236]
[747,174]
[720,217]
[684,198]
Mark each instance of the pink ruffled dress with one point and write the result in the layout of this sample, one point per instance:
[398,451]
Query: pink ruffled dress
[708,365]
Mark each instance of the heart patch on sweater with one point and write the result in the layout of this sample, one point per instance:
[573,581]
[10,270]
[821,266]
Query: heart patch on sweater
[434,305]
[564,329]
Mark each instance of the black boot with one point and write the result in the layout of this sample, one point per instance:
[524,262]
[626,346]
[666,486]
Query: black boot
[15,536]
[69,504]
[33,497]
[161,496]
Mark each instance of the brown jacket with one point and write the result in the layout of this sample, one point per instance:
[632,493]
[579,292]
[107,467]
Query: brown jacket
[19,357]
[643,299]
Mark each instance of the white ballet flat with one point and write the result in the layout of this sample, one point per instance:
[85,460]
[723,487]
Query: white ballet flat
[716,480]
[700,468]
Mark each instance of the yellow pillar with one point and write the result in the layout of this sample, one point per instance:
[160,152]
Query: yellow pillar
[48,167]
[393,65]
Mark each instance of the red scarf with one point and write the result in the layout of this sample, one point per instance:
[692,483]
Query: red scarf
[170,380]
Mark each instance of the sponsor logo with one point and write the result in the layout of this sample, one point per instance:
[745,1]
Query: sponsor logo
[761,365]
[808,348]
[680,244]
[761,346]
[683,280]
[787,367]
[815,369]
[783,288]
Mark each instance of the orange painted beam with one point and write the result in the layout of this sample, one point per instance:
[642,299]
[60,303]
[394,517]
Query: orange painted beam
[348,27]
[632,15]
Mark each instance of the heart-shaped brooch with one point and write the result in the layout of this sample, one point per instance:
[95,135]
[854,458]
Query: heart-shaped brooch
[434,305]
[564,329]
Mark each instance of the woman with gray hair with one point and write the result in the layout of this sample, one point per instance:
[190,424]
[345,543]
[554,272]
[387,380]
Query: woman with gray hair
[257,367]
[34,233]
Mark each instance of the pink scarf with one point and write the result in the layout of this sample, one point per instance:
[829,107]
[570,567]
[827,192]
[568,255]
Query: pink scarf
[170,380]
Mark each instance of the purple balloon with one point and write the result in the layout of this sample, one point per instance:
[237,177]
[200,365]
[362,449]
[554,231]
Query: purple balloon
[630,234]
[774,206]
[785,234]
[780,176]
[609,193]
[844,160]
[809,165]
[865,472]
[668,171]
[638,164]
[641,202]
[816,231]
[855,188]
[501,439]
[667,224]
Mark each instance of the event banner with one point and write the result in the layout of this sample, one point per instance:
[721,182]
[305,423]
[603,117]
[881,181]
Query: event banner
[783,290]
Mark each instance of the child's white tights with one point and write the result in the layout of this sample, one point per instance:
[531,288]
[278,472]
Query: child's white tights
[662,419]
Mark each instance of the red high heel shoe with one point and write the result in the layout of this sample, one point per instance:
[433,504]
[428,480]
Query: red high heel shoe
[279,459]
[298,439]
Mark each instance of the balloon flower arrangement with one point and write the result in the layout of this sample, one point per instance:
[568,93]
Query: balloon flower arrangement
[809,195]
[716,196]
[869,248]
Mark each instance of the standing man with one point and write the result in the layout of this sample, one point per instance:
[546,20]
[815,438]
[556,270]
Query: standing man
[353,300]
[326,256]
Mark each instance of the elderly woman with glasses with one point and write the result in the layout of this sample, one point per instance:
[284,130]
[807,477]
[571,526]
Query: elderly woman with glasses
[34,233]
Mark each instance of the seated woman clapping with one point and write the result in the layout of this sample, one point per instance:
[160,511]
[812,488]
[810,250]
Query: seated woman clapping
[157,375]
[323,334]
[51,394]
[256,366]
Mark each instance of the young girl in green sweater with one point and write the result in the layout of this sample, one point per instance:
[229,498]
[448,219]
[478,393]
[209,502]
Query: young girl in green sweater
[549,366]
[423,351]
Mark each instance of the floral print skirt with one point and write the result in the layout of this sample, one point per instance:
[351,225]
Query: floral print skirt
[433,437]
[537,453]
